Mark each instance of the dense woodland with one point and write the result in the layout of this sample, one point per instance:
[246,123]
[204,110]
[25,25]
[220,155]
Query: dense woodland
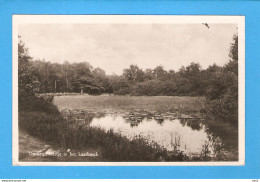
[219,85]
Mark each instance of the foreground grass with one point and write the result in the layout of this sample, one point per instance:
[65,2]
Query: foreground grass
[52,128]
[148,103]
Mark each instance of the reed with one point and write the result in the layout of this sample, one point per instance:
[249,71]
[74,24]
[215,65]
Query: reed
[54,129]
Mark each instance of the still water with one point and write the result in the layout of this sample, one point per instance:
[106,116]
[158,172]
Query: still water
[170,134]
[192,137]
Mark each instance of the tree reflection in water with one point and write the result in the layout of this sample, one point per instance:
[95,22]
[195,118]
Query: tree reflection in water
[202,139]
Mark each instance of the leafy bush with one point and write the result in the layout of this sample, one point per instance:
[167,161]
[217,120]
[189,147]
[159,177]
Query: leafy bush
[222,96]
[37,103]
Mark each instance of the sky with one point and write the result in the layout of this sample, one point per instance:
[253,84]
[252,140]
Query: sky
[113,47]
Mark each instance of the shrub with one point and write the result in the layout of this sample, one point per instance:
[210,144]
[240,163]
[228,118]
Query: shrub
[222,96]
[37,103]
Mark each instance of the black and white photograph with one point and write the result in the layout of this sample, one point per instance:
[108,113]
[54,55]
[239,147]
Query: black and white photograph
[128,90]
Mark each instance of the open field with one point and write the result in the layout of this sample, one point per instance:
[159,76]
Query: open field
[146,103]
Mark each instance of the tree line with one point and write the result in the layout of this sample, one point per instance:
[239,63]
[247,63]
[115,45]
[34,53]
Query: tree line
[219,84]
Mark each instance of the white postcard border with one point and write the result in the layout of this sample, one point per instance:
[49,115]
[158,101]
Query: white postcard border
[129,19]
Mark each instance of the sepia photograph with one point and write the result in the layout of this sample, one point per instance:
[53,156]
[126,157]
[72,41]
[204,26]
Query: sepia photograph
[128,90]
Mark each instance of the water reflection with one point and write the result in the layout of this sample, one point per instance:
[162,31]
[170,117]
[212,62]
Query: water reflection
[193,123]
[172,135]
[194,137]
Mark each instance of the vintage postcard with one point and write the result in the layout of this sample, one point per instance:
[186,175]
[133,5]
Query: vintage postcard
[128,90]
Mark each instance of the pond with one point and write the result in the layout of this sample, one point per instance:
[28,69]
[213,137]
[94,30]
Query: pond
[191,136]
[187,135]
[171,134]
[192,133]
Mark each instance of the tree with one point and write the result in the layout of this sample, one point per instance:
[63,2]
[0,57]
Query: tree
[134,74]
[159,73]
[28,84]
[101,80]
[188,79]
[222,92]
[148,74]
[120,85]
[82,76]
[233,54]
